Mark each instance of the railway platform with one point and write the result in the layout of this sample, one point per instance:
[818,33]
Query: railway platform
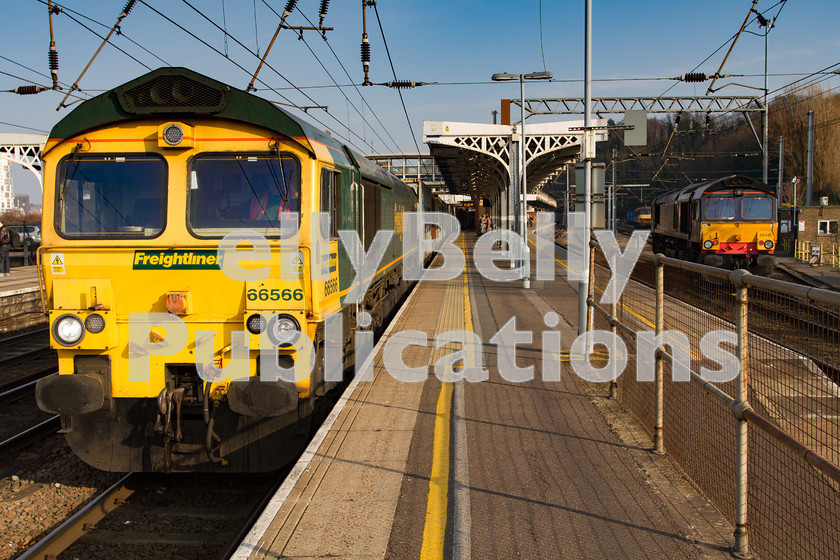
[486,469]
[20,302]
[821,276]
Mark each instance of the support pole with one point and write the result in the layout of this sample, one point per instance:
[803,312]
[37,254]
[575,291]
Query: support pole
[523,203]
[765,114]
[590,297]
[659,423]
[583,287]
[781,169]
[741,548]
[614,328]
[612,196]
[809,184]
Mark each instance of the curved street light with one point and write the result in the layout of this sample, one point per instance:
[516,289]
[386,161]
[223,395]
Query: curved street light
[523,205]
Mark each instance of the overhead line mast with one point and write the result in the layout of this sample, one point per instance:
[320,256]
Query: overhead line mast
[290,6]
[126,10]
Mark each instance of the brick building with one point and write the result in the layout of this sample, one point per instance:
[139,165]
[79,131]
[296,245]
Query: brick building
[817,224]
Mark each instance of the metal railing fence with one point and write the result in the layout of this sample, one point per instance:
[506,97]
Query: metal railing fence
[764,448]
[827,254]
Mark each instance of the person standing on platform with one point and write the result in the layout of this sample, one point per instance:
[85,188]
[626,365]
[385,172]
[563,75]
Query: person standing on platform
[5,245]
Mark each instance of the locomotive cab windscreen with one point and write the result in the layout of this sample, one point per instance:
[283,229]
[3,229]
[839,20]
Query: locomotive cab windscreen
[259,191]
[738,206]
[111,196]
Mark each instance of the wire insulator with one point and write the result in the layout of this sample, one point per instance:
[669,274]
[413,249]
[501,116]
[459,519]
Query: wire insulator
[129,6]
[403,84]
[53,54]
[325,5]
[290,6]
[365,52]
[694,77]
[28,90]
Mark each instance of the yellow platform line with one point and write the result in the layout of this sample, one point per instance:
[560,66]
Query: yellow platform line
[434,528]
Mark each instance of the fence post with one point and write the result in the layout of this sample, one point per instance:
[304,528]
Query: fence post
[590,296]
[741,548]
[658,430]
[614,331]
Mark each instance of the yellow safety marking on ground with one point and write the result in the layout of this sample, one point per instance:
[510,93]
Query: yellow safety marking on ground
[434,529]
[555,258]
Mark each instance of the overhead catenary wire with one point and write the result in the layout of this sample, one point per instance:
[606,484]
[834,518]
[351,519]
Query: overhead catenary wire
[42,86]
[394,72]
[25,67]
[341,90]
[66,10]
[351,84]
[248,72]
[126,10]
[290,6]
[394,145]
[24,127]
[224,24]
[315,103]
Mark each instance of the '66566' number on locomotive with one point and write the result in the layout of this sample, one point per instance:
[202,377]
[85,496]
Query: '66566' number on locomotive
[273,294]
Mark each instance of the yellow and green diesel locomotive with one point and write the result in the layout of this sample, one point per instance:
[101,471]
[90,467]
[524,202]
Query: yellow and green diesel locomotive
[141,185]
[728,222]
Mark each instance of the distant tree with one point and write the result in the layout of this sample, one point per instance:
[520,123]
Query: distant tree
[789,118]
[13,216]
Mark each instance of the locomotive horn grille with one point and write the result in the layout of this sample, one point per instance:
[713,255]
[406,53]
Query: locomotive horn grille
[168,93]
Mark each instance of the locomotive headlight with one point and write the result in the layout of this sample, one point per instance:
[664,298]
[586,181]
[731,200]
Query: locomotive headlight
[768,244]
[283,330]
[173,134]
[95,323]
[68,330]
[255,324]
[708,244]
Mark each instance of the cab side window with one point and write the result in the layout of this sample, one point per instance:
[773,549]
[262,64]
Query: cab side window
[329,201]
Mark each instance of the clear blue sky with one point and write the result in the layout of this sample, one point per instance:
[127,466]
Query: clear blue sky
[444,41]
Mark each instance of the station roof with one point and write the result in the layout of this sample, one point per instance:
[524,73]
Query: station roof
[475,159]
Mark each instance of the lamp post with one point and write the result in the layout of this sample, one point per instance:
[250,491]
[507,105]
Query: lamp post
[767,25]
[523,152]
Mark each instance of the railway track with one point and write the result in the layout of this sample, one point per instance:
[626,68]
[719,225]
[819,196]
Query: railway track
[804,327]
[162,516]
[21,421]
[22,345]
[169,515]
[26,356]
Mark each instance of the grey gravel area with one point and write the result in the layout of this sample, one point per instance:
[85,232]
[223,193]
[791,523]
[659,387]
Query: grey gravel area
[40,486]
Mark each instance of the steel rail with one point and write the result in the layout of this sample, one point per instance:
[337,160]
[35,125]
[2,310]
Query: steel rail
[81,522]
[24,355]
[23,335]
[8,390]
[45,427]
